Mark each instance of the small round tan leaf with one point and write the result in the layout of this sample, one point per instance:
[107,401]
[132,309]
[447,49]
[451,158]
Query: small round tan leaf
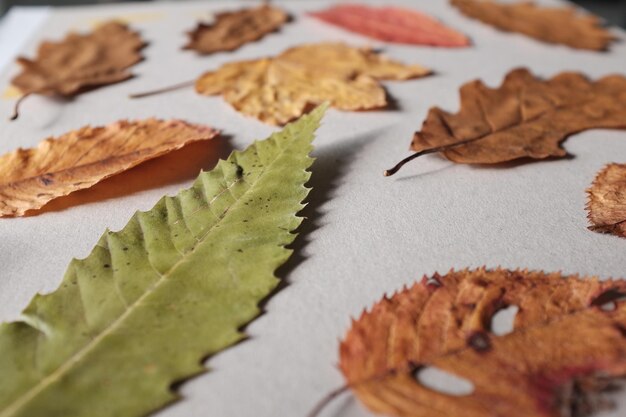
[607,200]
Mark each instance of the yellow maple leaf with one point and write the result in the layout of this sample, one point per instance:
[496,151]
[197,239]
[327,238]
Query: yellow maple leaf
[277,90]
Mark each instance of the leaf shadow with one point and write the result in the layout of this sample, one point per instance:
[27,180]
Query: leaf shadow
[332,162]
[57,106]
[393,104]
[177,166]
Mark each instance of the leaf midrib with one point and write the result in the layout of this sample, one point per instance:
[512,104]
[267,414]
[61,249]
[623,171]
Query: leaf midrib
[555,109]
[77,356]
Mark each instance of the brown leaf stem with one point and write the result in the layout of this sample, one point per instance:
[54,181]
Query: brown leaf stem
[327,400]
[396,168]
[163,90]
[16,107]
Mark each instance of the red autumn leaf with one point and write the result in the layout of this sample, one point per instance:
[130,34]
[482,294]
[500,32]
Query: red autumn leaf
[392,24]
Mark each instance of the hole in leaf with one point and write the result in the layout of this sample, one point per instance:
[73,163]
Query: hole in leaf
[444,382]
[607,301]
[503,321]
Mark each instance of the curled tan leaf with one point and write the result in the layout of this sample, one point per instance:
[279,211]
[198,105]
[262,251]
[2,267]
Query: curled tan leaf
[559,25]
[567,338]
[234,29]
[81,61]
[30,178]
[526,117]
[607,200]
[277,90]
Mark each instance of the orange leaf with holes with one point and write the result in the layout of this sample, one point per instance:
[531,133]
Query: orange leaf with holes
[80,62]
[607,200]
[559,25]
[234,29]
[392,24]
[30,178]
[568,339]
[526,117]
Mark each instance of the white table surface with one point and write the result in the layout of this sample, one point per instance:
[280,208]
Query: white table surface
[366,234]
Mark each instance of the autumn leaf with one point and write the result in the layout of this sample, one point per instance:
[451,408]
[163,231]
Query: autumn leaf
[445,323]
[607,200]
[525,117]
[80,62]
[176,284]
[234,29]
[392,24]
[30,178]
[559,25]
[277,90]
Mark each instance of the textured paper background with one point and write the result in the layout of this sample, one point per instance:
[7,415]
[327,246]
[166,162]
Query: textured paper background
[366,234]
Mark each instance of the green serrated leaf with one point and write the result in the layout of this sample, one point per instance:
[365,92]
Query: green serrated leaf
[173,286]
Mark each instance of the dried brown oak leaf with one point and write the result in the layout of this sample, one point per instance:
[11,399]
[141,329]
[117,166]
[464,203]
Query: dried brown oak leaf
[568,337]
[525,117]
[80,62]
[607,200]
[30,178]
[559,25]
[277,90]
[234,29]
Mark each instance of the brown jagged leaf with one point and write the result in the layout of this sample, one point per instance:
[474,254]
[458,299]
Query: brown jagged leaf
[607,200]
[81,62]
[560,25]
[234,29]
[525,117]
[277,90]
[30,178]
[568,333]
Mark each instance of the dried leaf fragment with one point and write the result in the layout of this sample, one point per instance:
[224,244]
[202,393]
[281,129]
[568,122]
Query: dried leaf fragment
[525,117]
[392,24]
[81,61]
[607,200]
[559,25]
[277,90]
[569,332]
[30,178]
[234,29]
